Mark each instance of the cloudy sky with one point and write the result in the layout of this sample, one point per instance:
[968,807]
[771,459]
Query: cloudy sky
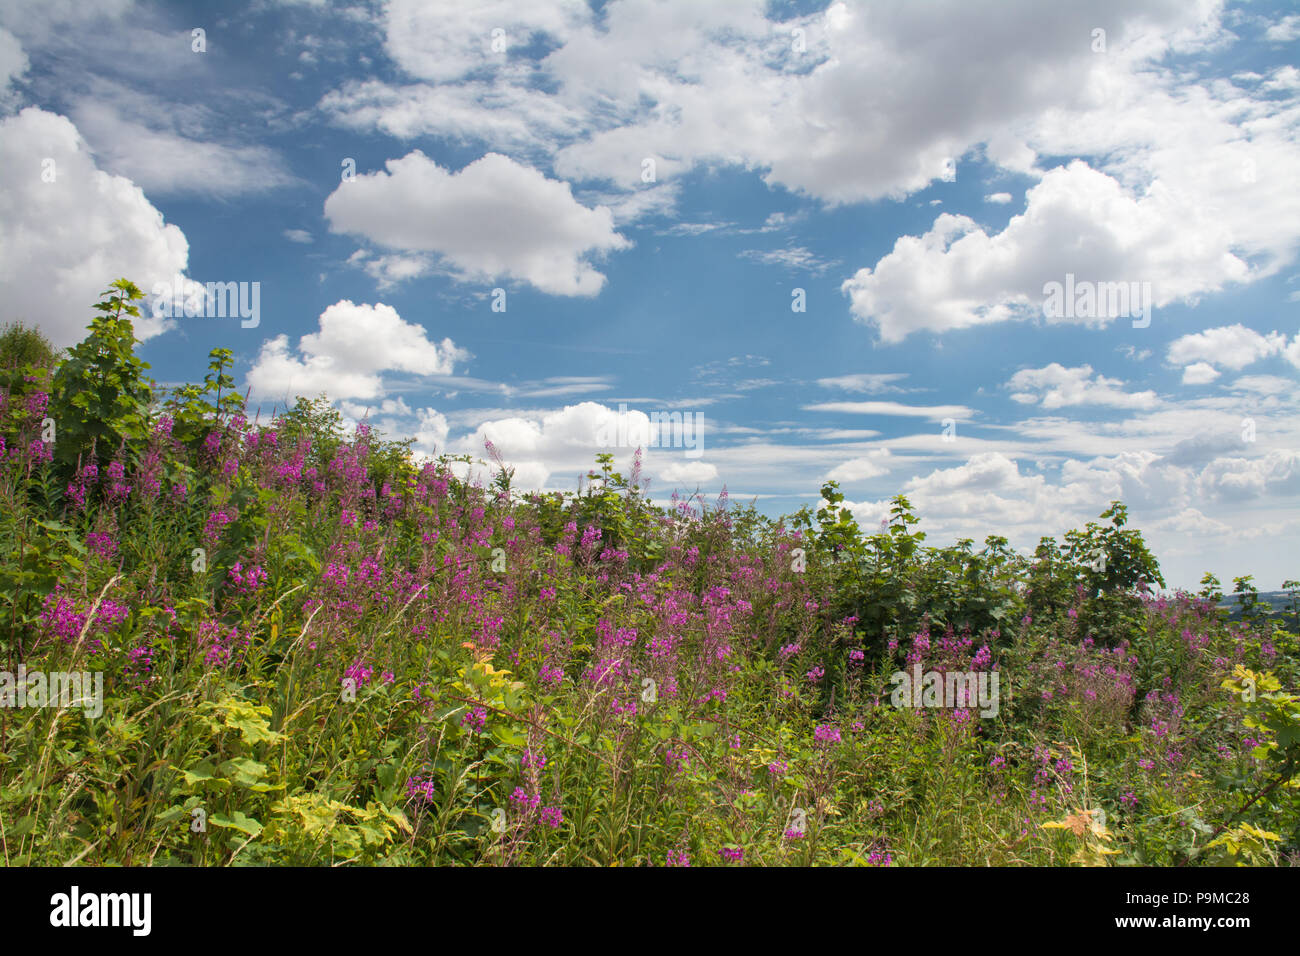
[829,229]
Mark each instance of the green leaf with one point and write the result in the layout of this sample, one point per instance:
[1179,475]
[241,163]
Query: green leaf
[236,821]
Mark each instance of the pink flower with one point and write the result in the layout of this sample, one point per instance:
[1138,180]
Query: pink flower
[826,734]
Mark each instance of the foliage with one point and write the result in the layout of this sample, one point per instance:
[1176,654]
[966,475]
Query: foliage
[101,398]
[22,347]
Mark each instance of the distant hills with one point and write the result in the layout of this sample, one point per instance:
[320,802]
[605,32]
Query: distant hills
[1278,601]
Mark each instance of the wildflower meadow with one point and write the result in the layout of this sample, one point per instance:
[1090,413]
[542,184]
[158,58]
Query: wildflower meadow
[300,644]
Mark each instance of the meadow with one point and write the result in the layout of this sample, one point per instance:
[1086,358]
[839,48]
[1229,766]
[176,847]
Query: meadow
[316,649]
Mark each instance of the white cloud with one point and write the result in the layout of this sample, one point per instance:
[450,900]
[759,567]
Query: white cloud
[981,473]
[1265,384]
[549,449]
[877,104]
[1078,221]
[560,445]
[298,235]
[794,258]
[391,270]
[1230,346]
[893,409]
[1192,522]
[494,112]
[63,242]
[1284,30]
[688,473]
[873,383]
[443,40]
[139,137]
[1199,373]
[347,357]
[1055,386]
[998,198]
[1275,472]
[494,219]
[431,433]
[1203,447]
[881,103]
[861,469]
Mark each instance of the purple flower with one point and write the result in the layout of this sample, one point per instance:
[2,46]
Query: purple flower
[826,734]
[474,720]
[420,788]
[102,544]
[359,673]
[552,817]
[532,760]
[523,800]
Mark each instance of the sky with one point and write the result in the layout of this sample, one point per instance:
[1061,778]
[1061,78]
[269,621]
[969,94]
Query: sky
[1012,259]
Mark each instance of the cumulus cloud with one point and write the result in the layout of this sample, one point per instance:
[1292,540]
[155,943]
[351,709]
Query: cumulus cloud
[1204,447]
[347,357]
[1175,185]
[1190,521]
[988,491]
[881,104]
[869,103]
[1230,346]
[62,241]
[1284,30]
[553,448]
[1055,386]
[1199,373]
[994,490]
[496,218]
[1078,222]
[1275,472]
[860,469]
[688,473]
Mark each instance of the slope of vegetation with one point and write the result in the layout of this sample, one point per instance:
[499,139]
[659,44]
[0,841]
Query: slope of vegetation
[317,650]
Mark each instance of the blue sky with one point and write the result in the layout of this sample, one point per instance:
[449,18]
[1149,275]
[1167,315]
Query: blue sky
[921,171]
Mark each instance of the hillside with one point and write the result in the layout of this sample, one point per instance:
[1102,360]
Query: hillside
[314,649]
